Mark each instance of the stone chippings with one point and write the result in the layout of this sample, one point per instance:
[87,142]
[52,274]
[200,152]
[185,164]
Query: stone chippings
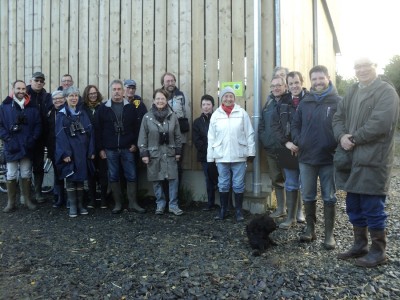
[47,255]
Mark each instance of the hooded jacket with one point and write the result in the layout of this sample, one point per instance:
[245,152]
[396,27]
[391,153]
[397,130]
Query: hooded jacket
[373,154]
[20,129]
[311,128]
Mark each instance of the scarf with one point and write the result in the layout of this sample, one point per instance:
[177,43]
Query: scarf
[227,109]
[160,115]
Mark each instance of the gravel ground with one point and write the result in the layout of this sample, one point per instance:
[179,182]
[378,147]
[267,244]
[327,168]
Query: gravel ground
[47,255]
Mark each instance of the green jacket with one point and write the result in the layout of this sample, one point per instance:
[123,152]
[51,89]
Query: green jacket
[373,155]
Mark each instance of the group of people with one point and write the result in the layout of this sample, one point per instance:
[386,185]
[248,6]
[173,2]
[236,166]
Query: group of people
[308,135]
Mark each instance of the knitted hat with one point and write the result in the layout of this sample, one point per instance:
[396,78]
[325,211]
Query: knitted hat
[228,89]
[207,97]
[57,93]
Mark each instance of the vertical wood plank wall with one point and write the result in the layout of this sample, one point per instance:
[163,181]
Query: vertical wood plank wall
[203,42]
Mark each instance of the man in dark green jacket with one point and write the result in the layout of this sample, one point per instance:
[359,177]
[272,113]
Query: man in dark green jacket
[365,124]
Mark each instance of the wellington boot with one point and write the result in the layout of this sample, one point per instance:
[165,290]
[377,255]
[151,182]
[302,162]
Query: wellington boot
[38,181]
[238,207]
[291,202]
[300,215]
[79,199]
[223,198]
[377,252]
[281,204]
[117,195]
[132,198]
[360,246]
[103,196]
[329,216]
[12,195]
[26,193]
[311,218]
[92,192]
[73,209]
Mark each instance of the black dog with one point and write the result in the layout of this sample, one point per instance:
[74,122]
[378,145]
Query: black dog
[258,231]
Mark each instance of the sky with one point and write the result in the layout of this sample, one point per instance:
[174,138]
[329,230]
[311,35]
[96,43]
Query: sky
[367,28]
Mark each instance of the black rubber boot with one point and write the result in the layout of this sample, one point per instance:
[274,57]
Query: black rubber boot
[223,197]
[310,208]
[73,209]
[38,181]
[92,192]
[79,198]
[103,195]
[360,246]
[238,207]
[329,216]
[377,252]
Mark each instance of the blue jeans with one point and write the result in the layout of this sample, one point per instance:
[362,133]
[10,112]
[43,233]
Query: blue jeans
[309,176]
[366,210]
[124,158]
[224,178]
[209,185]
[292,179]
[173,193]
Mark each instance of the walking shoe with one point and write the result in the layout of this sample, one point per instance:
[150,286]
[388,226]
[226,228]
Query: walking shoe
[176,211]
[160,210]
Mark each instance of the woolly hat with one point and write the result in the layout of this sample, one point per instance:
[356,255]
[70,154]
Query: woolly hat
[57,93]
[228,89]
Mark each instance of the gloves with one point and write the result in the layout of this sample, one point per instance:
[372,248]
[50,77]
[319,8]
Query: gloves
[250,158]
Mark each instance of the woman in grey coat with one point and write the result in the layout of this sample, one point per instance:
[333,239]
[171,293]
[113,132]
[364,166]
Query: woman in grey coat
[160,149]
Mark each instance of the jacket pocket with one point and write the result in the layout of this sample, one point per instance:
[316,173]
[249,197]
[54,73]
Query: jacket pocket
[154,152]
[12,146]
[243,150]
[217,150]
[369,155]
[171,150]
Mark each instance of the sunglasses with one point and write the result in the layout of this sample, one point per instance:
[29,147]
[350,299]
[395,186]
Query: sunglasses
[39,80]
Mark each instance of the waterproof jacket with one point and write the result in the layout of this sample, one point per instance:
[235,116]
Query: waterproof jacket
[141,110]
[50,132]
[77,144]
[282,119]
[107,136]
[162,164]
[199,136]
[43,101]
[177,104]
[373,154]
[230,138]
[19,143]
[312,127]
[266,133]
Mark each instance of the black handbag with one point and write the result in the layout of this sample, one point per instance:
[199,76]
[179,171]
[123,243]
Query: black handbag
[183,124]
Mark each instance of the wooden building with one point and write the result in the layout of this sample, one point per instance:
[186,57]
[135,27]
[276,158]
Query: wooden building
[203,42]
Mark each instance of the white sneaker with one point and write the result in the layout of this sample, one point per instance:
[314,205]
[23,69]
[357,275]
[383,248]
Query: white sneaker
[176,211]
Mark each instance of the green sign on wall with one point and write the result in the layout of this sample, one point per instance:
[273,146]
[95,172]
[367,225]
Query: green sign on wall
[236,85]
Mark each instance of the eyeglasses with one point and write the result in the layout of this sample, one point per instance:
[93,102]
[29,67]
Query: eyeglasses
[133,87]
[58,98]
[66,80]
[39,80]
[93,94]
[272,86]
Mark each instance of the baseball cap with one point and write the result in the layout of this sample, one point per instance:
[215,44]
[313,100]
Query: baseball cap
[130,83]
[38,75]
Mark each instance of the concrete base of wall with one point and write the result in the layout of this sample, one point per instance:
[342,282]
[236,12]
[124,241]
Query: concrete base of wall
[194,181]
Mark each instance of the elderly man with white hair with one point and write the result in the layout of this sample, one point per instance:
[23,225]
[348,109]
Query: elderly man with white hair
[364,125]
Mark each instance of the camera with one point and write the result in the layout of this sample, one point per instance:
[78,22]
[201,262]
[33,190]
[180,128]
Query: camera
[163,138]
[21,119]
[119,127]
[76,127]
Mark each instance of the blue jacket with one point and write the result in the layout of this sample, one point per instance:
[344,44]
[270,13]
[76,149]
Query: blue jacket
[106,135]
[311,128]
[19,143]
[77,144]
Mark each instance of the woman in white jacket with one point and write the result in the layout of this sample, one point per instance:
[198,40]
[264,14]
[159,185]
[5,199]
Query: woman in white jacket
[230,145]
